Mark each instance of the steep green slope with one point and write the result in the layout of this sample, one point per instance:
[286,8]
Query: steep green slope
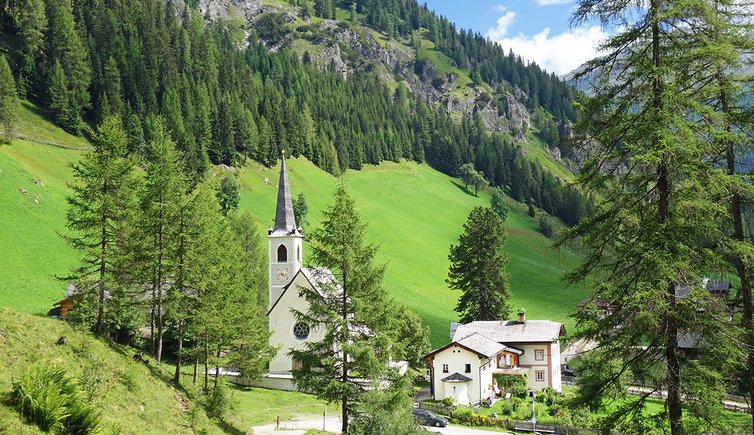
[33,180]
[131,396]
[414,214]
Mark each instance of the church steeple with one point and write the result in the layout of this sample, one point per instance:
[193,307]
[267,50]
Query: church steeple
[285,240]
[285,220]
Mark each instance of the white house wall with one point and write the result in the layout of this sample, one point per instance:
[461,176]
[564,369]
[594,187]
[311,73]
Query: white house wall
[281,326]
[456,358]
[550,364]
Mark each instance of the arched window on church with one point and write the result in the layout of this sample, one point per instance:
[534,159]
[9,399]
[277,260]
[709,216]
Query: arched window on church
[298,253]
[282,254]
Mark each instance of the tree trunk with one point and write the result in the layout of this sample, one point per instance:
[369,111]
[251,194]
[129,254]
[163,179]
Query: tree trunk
[673,376]
[100,328]
[206,364]
[217,368]
[179,357]
[160,279]
[196,364]
[344,339]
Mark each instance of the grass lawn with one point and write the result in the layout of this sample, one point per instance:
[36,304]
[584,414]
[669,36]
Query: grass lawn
[259,406]
[32,123]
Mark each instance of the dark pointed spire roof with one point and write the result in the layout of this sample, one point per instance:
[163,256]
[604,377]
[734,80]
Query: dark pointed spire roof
[285,220]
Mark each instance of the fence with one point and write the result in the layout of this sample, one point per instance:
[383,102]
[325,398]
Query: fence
[517,425]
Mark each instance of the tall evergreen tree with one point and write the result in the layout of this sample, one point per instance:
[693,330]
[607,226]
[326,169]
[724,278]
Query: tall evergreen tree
[161,197]
[478,268]
[100,214]
[654,219]
[352,313]
[8,100]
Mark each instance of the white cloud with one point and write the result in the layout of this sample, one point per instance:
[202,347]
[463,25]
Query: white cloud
[559,53]
[552,2]
[504,24]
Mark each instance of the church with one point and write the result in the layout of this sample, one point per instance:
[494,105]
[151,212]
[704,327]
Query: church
[286,277]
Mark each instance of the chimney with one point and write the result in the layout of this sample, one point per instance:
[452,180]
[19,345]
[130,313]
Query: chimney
[521,315]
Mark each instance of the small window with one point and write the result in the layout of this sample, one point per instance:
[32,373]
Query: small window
[539,355]
[540,375]
[301,331]
[298,253]
[282,254]
[445,368]
[468,368]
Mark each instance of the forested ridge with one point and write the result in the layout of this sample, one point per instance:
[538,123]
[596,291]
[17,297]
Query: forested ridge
[226,101]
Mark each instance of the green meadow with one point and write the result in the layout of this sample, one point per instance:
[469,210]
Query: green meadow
[413,212]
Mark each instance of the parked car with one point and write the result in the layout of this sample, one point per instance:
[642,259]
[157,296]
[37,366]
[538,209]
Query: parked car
[429,418]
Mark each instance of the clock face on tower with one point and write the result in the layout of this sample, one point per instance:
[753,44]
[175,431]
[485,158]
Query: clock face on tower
[282,274]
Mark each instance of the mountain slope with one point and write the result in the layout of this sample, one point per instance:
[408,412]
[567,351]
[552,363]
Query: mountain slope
[414,213]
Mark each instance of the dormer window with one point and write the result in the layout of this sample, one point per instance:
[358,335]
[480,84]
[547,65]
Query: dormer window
[282,254]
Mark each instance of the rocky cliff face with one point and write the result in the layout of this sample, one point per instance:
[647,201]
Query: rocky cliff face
[394,62]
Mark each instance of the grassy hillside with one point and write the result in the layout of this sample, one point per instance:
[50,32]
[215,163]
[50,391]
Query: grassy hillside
[133,397]
[414,213]
[118,383]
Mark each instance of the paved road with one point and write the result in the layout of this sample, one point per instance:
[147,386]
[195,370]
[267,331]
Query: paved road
[332,424]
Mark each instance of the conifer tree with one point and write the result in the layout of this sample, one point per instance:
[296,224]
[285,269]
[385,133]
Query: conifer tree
[160,201]
[8,100]
[32,24]
[648,239]
[478,268]
[100,215]
[65,45]
[354,314]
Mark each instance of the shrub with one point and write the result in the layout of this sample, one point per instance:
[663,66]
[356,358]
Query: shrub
[545,227]
[219,401]
[448,401]
[48,398]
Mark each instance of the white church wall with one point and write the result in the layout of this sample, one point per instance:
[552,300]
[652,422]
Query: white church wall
[282,320]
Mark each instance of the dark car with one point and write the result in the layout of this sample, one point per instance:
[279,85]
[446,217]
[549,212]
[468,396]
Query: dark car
[429,418]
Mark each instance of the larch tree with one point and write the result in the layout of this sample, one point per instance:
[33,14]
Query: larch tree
[350,306]
[477,268]
[101,214]
[160,201]
[655,221]
[8,100]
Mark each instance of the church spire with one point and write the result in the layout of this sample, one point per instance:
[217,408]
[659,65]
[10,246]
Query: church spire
[285,220]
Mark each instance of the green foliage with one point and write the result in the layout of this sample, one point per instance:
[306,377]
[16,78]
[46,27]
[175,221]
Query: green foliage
[47,397]
[497,203]
[100,214]
[228,194]
[300,209]
[477,268]
[545,227]
[219,402]
[8,100]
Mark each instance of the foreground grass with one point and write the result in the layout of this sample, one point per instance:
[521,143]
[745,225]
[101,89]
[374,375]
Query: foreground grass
[133,398]
[259,406]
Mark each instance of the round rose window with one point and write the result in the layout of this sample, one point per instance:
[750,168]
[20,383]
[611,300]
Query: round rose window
[301,331]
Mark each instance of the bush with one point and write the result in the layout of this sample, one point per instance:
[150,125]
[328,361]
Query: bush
[545,227]
[48,398]
[448,401]
[219,401]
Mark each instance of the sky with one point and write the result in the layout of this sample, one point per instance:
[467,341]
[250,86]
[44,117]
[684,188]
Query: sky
[537,30]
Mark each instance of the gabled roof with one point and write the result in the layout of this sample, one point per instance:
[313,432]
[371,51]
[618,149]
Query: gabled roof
[321,279]
[479,344]
[511,331]
[285,220]
[456,377]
